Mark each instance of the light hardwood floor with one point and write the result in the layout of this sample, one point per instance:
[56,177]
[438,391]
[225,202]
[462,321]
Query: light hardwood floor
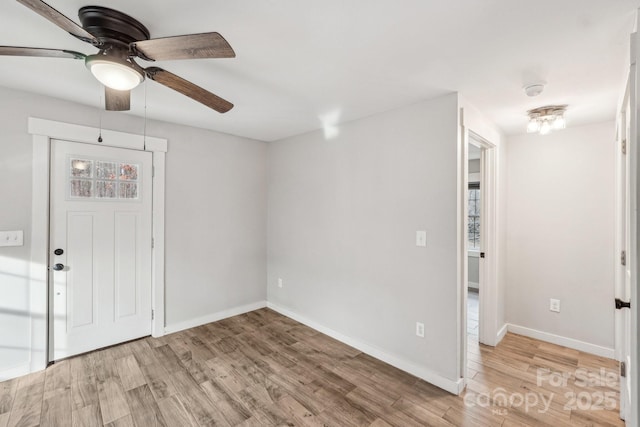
[263,369]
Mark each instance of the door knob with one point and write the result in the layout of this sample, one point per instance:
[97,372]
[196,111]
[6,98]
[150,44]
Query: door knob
[58,252]
[58,267]
[622,304]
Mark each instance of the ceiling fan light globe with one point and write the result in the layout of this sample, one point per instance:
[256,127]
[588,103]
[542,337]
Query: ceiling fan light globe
[114,74]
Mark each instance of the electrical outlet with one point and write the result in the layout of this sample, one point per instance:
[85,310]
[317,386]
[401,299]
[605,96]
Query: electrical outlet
[420,329]
[279,282]
[554,305]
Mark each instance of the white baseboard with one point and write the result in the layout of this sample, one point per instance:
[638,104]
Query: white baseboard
[563,341]
[214,317]
[452,386]
[501,333]
[14,372]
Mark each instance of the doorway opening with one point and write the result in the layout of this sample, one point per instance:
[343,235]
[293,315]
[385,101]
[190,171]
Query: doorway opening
[479,302]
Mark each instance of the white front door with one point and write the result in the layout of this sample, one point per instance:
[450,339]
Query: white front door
[627,240]
[100,246]
[624,271]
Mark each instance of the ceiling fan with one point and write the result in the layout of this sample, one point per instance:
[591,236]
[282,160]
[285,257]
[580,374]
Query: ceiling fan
[120,39]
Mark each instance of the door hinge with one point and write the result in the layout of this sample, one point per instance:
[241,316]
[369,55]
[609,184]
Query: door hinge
[153,171]
[153,314]
[622,304]
[623,370]
[623,257]
[153,243]
[624,146]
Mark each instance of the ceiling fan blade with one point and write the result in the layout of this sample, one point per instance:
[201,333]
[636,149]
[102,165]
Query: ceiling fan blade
[189,89]
[117,100]
[192,46]
[60,20]
[36,51]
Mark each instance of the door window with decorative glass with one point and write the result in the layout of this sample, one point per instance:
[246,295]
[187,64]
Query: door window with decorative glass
[474,215]
[92,179]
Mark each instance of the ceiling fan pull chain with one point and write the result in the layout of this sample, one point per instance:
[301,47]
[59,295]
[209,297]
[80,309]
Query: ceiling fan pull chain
[100,121]
[144,132]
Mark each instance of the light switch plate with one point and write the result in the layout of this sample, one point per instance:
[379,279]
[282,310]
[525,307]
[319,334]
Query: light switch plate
[11,238]
[421,238]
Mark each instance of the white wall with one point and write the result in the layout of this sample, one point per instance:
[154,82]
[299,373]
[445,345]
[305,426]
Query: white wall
[560,232]
[343,213]
[215,216]
[215,223]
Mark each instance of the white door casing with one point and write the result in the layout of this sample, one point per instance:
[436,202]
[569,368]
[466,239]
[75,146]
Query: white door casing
[490,332]
[43,131]
[101,213]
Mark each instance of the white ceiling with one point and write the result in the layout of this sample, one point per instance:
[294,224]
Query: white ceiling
[300,63]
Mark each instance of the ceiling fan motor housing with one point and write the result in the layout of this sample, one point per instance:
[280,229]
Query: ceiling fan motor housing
[111,26]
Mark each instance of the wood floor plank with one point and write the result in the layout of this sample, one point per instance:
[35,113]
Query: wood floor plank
[129,372]
[57,379]
[260,396]
[196,400]
[297,412]
[174,412]
[7,394]
[113,403]
[84,393]
[32,379]
[263,369]
[158,380]
[56,411]
[144,409]
[82,368]
[379,423]
[27,405]
[269,416]
[167,358]
[4,419]
[232,409]
[344,414]
[143,352]
[125,421]
[88,416]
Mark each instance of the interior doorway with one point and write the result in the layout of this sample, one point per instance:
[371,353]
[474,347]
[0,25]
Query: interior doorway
[478,247]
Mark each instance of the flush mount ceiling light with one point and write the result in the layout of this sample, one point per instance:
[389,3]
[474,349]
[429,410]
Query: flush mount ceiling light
[545,119]
[114,72]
